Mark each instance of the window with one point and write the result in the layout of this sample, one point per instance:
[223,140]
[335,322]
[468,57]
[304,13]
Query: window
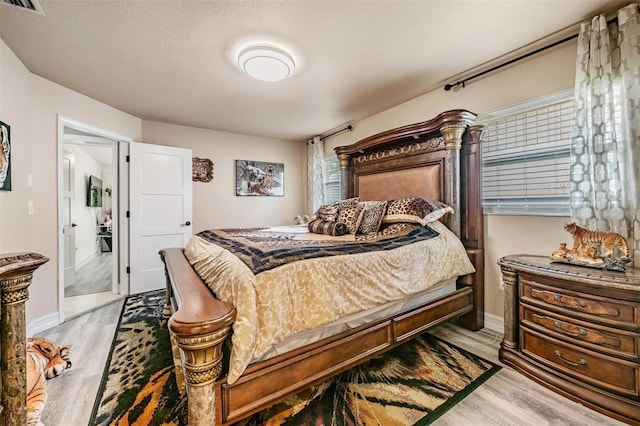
[526,158]
[332,183]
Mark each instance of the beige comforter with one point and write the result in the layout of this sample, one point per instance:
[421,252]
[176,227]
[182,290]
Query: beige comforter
[276,304]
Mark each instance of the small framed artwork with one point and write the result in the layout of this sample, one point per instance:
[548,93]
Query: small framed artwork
[94,192]
[201,170]
[5,157]
[258,178]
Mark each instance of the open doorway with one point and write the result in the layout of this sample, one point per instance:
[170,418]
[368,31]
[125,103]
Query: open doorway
[90,263]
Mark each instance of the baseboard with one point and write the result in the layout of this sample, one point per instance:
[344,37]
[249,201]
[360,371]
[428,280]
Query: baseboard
[494,323]
[41,324]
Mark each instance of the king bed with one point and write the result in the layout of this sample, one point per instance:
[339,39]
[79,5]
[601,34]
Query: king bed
[259,315]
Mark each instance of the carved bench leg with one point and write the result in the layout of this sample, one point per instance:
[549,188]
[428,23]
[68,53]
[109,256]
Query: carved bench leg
[202,364]
[14,356]
[16,273]
[166,310]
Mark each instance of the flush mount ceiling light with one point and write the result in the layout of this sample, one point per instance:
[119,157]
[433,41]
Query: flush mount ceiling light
[266,63]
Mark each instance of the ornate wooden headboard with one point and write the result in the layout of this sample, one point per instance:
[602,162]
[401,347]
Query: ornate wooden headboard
[418,160]
[439,158]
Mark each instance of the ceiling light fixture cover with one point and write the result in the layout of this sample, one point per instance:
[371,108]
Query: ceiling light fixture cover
[266,63]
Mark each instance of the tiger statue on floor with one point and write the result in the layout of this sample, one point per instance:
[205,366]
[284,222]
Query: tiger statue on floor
[45,360]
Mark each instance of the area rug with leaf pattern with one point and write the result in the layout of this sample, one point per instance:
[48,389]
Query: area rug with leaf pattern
[413,384]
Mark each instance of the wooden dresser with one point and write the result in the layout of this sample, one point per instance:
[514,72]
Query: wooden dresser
[575,330]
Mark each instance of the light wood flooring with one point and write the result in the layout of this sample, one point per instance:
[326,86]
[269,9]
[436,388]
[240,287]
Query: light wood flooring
[507,398]
[92,277]
[92,287]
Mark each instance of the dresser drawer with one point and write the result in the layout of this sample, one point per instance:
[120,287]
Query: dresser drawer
[578,305]
[599,370]
[592,336]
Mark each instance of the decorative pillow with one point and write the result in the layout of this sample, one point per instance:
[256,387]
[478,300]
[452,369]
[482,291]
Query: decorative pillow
[397,229]
[349,202]
[328,212]
[386,231]
[415,210]
[326,227]
[371,217]
[350,215]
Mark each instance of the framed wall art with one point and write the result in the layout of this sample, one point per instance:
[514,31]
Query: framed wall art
[201,170]
[258,178]
[94,191]
[5,157]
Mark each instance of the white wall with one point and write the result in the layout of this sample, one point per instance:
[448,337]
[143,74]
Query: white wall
[85,217]
[541,75]
[215,204]
[31,105]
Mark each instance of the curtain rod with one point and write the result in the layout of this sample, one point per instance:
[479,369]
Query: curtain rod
[450,86]
[344,129]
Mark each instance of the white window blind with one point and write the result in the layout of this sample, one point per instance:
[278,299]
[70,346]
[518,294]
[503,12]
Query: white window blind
[526,160]
[332,183]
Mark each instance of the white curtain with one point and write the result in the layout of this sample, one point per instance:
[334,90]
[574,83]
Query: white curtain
[605,148]
[315,170]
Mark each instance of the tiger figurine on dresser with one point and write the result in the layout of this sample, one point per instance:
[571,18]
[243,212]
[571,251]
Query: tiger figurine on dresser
[596,249]
[608,241]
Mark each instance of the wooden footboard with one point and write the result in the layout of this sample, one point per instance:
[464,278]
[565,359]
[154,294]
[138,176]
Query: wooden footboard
[200,323]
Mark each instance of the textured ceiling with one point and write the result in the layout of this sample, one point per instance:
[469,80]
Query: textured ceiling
[174,61]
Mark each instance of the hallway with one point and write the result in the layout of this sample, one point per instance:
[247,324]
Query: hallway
[92,287]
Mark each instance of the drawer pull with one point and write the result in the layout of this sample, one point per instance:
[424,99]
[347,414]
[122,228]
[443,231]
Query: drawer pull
[582,362]
[572,330]
[581,331]
[557,298]
[573,303]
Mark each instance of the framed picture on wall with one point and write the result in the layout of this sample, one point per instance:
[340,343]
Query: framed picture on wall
[201,169]
[258,178]
[5,157]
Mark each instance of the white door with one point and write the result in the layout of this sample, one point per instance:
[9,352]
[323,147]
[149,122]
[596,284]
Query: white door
[68,229]
[159,210]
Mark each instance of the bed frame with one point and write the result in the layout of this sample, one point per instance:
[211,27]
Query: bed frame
[439,158]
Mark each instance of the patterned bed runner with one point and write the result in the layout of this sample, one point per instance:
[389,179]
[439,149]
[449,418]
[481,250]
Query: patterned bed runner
[263,249]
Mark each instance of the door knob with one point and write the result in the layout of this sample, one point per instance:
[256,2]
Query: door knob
[187,223]
[73,225]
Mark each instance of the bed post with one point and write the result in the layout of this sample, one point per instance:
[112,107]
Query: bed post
[345,175]
[472,234]
[199,328]
[202,355]
[452,134]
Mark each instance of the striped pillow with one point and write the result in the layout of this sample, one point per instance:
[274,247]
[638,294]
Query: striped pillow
[327,227]
[328,212]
